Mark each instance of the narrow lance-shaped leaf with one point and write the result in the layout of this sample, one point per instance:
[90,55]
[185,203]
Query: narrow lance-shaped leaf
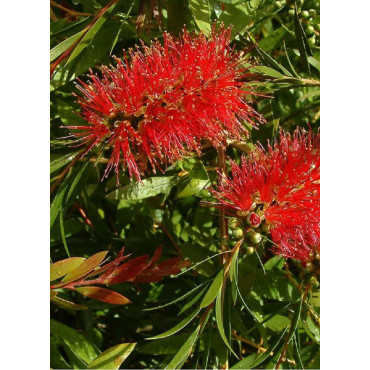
[220,324]
[184,351]
[178,327]
[301,40]
[86,266]
[64,267]
[113,357]
[103,294]
[213,290]
[90,34]
[147,188]
[67,305]
[270,349]
[76,341]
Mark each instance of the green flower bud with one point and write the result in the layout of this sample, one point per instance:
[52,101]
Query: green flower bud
[318,27]
[305,14]
[238,233]
[312,41]
[232,243]
[291,12]
[250,250]
[255,238]
[234,223]
[312,13]
[278,4]
[310,30]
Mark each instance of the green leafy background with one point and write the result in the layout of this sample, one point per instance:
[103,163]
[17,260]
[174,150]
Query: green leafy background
[269,314]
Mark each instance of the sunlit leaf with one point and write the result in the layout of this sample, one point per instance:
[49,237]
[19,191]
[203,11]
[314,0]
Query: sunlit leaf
[103,294]
[113,357]
[213,290]
[147,188]
[76,341]
[64,267]
[85,267]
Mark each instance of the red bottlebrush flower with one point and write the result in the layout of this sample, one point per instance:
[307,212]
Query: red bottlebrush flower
[161,104]
[282,186]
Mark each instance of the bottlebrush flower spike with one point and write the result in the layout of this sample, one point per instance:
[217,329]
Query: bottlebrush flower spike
[159,105]
[282,186]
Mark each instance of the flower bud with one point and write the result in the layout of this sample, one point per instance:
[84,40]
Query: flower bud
[242,213]
[253,219]
[255,238]
[234,223]
[250,250]
[238,233]
[305,14]
[310,30]
[312,13]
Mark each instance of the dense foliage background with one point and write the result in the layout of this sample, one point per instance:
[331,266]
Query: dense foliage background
[275,318]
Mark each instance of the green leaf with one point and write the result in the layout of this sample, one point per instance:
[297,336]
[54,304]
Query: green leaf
[267,71]
[78,180]
[113,357]
[85,267]
[246,363]
[147,188]
[67,305]
[62,232]
[194,183]
[270,349]
[301,41]
[184,351]
[207,348]
[64,267]
[178,327]
[278,323]
[61,161]
[220,323]
[314,62]
[103,295]
[64,45]
[273,39]
[237,14]
[297,350]
[90,34]
[165,346]
[58,201]
[192,301]
[75,341]
[56,359]
[213,290]
[177,299]
[200,10]
[309,95]
[67,114]
[100,46]
[274,285]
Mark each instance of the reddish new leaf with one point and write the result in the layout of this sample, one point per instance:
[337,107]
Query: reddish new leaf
[169,267]
[103,294]
[126,271]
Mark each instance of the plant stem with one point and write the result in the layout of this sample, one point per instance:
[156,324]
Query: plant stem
[223,219]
